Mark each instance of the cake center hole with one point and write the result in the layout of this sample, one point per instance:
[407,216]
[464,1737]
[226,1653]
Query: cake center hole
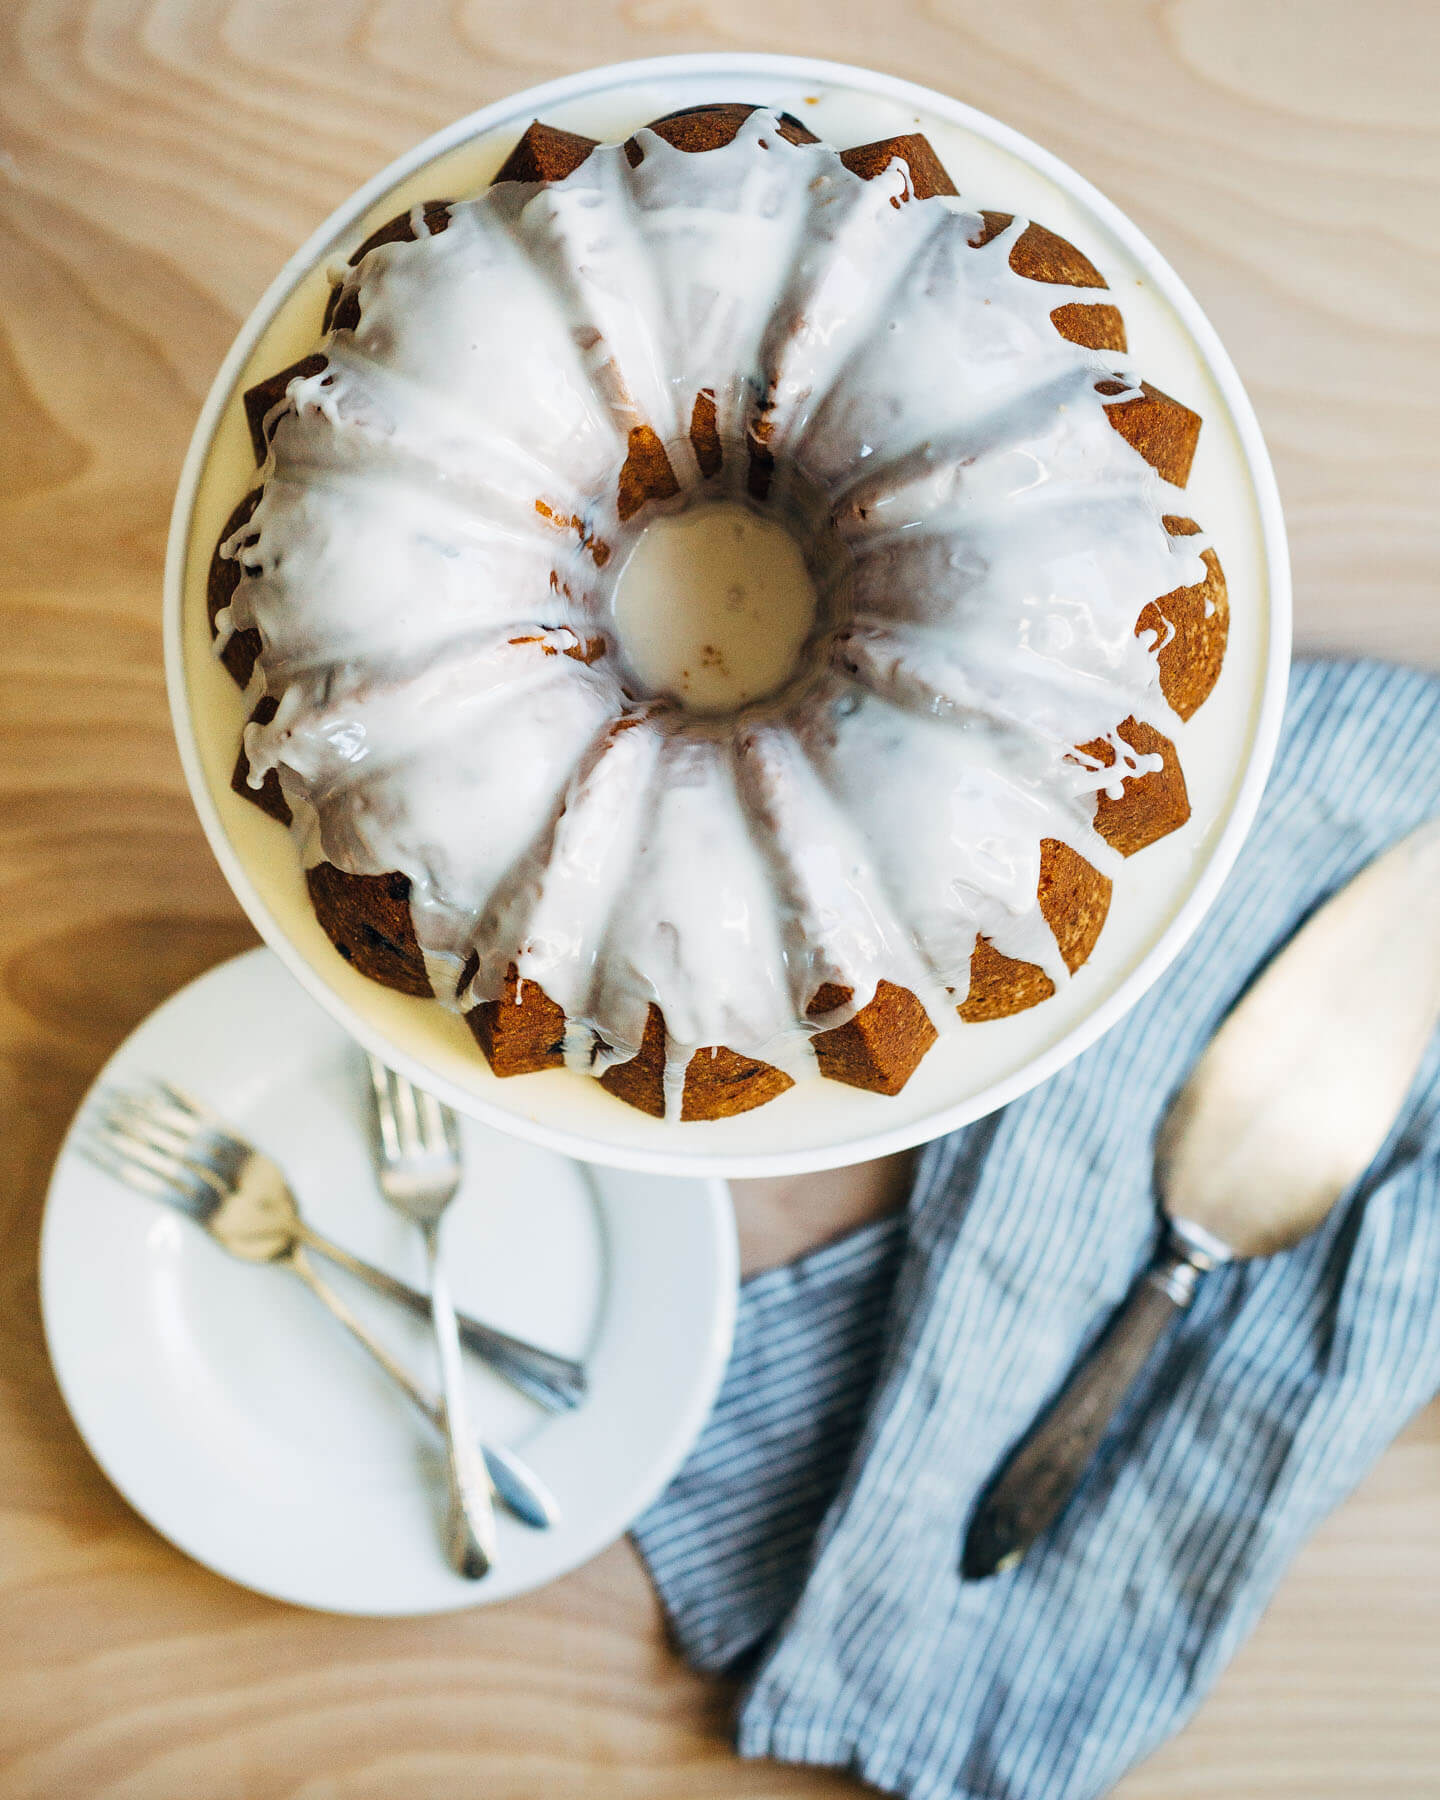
[713,606]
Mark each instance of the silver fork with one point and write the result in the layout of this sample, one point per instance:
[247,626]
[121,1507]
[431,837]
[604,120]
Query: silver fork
[417,1163]
[161,1143]
[554,1382]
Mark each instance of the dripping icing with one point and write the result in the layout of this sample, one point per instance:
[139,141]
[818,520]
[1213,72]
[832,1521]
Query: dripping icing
[581,345]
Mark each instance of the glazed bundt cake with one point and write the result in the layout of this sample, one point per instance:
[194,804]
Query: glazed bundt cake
[919,828]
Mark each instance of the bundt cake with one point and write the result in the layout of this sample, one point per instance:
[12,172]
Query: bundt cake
[918,830]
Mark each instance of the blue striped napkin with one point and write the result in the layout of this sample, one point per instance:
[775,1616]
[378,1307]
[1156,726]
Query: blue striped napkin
[814,1535]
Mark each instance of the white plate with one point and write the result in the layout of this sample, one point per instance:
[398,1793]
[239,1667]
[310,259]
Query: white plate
[233,1413]
[1162,895]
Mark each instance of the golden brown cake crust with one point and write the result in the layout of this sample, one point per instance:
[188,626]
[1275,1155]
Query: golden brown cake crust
[641,1081]
[242,647]
[367,919]
[521,1032]
[1161,429]
[269,796]
[545,153]
[647,474]
[1096,327]
[1001,985]
[1074,900]
[1040,254]
[928,175]
[705,433]
[699,128]
[1196,622]
[881,1047]
[1150,806]
[718,1082]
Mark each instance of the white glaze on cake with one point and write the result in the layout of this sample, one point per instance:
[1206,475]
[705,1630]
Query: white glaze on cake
[1001,540]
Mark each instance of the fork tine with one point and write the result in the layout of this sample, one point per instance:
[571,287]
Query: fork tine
[432,1121]
[168,1119]
[405,1114]
[198,1128]
[189,1106]
[413,1123]
[130,1135]
[215,1148]
[103,1155]
[452,1132]
[122,1113]
[127,1124]
[384,1110]
[97,1151]
[158,1100]
[139,1151]
[127,1118]
[421,1116]
[149,1170]
[418,1159]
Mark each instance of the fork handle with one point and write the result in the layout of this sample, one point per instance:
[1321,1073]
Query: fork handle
[554,1382]
[523,1493]
[471,1524]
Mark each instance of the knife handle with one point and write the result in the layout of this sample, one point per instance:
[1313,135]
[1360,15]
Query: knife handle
[1031,1489]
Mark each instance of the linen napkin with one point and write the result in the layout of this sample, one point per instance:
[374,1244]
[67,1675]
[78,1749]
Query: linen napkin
[815,1532]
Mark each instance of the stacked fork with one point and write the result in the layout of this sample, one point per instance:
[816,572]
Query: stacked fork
[168,1145]
[418,1163]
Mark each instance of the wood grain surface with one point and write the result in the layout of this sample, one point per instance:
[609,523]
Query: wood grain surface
[158,161]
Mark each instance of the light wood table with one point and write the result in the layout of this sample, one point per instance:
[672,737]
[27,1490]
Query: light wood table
[160,160]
